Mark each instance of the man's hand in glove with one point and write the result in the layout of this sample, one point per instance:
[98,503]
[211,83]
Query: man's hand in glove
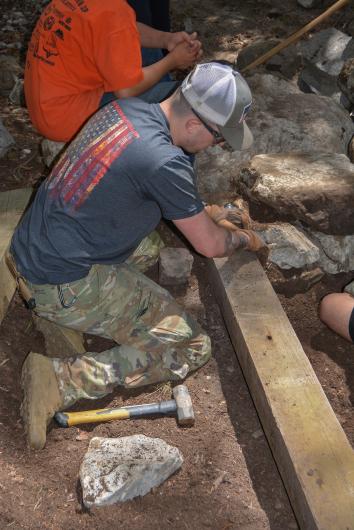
[252,240]
[235,215]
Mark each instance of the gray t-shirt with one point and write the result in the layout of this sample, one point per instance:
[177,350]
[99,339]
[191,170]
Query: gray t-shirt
[108,191]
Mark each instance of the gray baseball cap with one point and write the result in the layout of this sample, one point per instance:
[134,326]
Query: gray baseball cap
[220,95]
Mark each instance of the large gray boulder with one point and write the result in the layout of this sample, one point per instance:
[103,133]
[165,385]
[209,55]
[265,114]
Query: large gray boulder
[119,469]
[289,247]
[282,119]
[315,188]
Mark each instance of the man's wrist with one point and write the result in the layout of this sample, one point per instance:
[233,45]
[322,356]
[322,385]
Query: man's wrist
[165,39]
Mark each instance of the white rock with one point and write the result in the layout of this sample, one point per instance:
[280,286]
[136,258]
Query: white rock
[175,266]
[288,247]
[119,469]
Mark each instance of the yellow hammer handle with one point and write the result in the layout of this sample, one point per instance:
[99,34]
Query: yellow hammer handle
[95,416]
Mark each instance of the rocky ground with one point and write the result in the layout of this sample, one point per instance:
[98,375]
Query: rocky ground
[228,479]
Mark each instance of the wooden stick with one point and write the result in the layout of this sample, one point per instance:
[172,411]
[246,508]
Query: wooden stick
[295,36]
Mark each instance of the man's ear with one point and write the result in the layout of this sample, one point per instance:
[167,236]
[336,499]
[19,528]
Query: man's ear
[192,125]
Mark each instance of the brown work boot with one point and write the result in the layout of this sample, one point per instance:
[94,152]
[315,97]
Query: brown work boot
[41,397]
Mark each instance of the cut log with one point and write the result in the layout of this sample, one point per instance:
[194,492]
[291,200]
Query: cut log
[12,205]
[312,452]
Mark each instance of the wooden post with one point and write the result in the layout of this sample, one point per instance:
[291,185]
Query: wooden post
[312,452]
[12,206]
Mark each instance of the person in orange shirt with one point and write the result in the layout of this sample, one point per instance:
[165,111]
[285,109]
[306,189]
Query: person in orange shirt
[82,49]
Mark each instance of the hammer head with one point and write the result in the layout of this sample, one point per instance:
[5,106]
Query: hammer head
[185,414]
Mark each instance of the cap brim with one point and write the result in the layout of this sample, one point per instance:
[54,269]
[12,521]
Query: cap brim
[239,137]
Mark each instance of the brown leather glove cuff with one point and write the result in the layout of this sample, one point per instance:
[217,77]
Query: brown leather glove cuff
[255,242]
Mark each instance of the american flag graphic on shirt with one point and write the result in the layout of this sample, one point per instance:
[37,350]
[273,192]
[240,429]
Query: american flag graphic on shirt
[87,159]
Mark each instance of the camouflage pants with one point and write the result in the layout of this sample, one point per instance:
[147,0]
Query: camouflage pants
[156,339]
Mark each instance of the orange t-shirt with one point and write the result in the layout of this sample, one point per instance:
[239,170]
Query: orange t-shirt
[79,49]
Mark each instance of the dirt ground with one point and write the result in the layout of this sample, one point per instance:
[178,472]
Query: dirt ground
[229,479]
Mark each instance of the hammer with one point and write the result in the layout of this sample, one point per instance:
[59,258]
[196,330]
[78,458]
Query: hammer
[182,404]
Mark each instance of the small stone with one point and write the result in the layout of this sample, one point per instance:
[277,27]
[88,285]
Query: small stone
[175,266]
[82,436]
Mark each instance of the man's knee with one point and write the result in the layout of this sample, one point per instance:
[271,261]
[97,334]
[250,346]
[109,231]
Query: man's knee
[336,311]
[202,353]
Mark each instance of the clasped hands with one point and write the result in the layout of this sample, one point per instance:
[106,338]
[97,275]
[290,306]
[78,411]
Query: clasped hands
[185,47]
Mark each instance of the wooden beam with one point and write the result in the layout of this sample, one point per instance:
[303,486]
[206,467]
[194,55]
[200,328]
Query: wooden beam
[12,205]
[312,452]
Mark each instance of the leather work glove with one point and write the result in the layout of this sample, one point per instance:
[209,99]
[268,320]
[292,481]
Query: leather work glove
[255,242]
[235,214]
[228,217]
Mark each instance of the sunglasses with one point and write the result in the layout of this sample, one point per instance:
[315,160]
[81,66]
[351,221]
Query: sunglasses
[218,138]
